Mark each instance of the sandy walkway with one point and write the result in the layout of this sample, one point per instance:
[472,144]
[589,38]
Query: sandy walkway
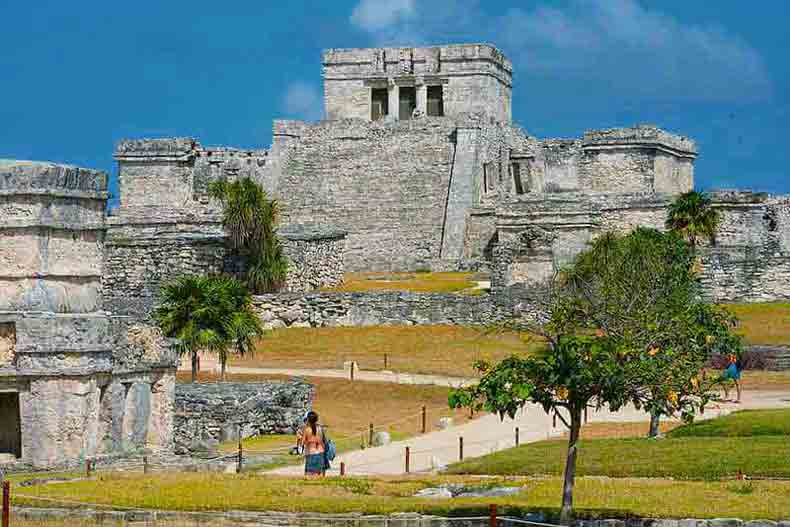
[488,434]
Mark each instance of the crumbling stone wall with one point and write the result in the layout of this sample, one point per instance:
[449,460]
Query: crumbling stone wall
[328,309]
[218,412]
[315,256]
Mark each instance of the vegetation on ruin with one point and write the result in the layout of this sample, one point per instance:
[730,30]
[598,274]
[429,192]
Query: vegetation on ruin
[752,441]
[208,314]
[626,325]
[596,497]
[693,216]
[449,282]
[250,218]
[439,350]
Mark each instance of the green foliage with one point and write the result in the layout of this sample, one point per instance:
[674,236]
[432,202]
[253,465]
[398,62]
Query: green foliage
[746,423]
[641,290]
[692,216]
[209,313]
[576,371]
[250,217]
[692,458]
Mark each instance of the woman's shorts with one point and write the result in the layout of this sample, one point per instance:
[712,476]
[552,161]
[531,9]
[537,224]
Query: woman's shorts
[314,464]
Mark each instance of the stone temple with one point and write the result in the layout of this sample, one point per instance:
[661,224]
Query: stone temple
[417,165]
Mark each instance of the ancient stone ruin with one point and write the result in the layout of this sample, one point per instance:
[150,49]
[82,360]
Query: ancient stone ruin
[419,163]
[416,166]
[75,381]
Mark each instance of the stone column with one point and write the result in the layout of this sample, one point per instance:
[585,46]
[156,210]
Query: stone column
[422,98]
[394,101]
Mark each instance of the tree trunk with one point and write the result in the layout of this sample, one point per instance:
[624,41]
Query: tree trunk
[223,360]
[194,366]
[654,420]
[570,467]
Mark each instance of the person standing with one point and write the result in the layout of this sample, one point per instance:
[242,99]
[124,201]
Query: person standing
[313,442]
[732,373]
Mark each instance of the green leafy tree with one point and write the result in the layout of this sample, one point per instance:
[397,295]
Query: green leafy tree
[573,373]
[641,290]
[625,325]
[208,314]
[693,216]
[249,217]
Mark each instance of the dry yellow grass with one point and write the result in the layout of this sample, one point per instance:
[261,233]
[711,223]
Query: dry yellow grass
[414,282]
[602,497]
[441,350]
[767,323]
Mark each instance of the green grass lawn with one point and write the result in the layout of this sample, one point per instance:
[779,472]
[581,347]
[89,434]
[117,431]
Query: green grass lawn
[753,442]
[593,497]
[746,423]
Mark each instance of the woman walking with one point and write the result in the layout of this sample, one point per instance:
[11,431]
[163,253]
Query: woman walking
[314,449]
[732,373]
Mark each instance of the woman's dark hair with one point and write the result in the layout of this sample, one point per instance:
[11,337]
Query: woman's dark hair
[312,420]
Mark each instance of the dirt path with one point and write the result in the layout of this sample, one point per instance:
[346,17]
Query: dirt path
[488,434]
[360,375]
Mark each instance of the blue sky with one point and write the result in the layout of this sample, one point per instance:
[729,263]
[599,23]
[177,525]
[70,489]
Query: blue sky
[76,77]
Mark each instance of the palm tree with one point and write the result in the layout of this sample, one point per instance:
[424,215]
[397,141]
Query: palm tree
[210,314]
[249,218]
[693,217]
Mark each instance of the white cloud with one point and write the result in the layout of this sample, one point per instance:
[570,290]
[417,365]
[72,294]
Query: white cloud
[612,48]
[636,52]
[303,101]
[376,15]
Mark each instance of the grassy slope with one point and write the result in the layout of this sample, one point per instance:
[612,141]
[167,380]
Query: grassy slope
[444,350]
[766,323]
[705,451]
[413,282]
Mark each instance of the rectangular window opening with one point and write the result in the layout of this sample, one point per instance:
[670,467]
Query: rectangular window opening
[516,169]
[435,101]
[379,103]
[408,102]
[11,431]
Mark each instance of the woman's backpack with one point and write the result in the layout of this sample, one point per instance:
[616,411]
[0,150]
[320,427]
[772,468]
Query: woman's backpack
[330,450]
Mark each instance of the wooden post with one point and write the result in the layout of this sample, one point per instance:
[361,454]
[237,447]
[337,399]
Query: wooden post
[352,370]
[424,420]
[408,455]
[342,469]
[585,415]
[492,520]
[6,504]
[460,449]
[370,435]
[241,457]
[554,420]
[386,362]
[362,443]
[145,464]
[516,436]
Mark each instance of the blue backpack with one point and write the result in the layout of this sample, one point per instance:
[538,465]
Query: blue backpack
[330,450]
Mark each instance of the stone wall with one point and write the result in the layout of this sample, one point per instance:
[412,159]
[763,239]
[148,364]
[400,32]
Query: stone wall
[216,412]
[385,184]
[475,78]
[379,308]
[315,255]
